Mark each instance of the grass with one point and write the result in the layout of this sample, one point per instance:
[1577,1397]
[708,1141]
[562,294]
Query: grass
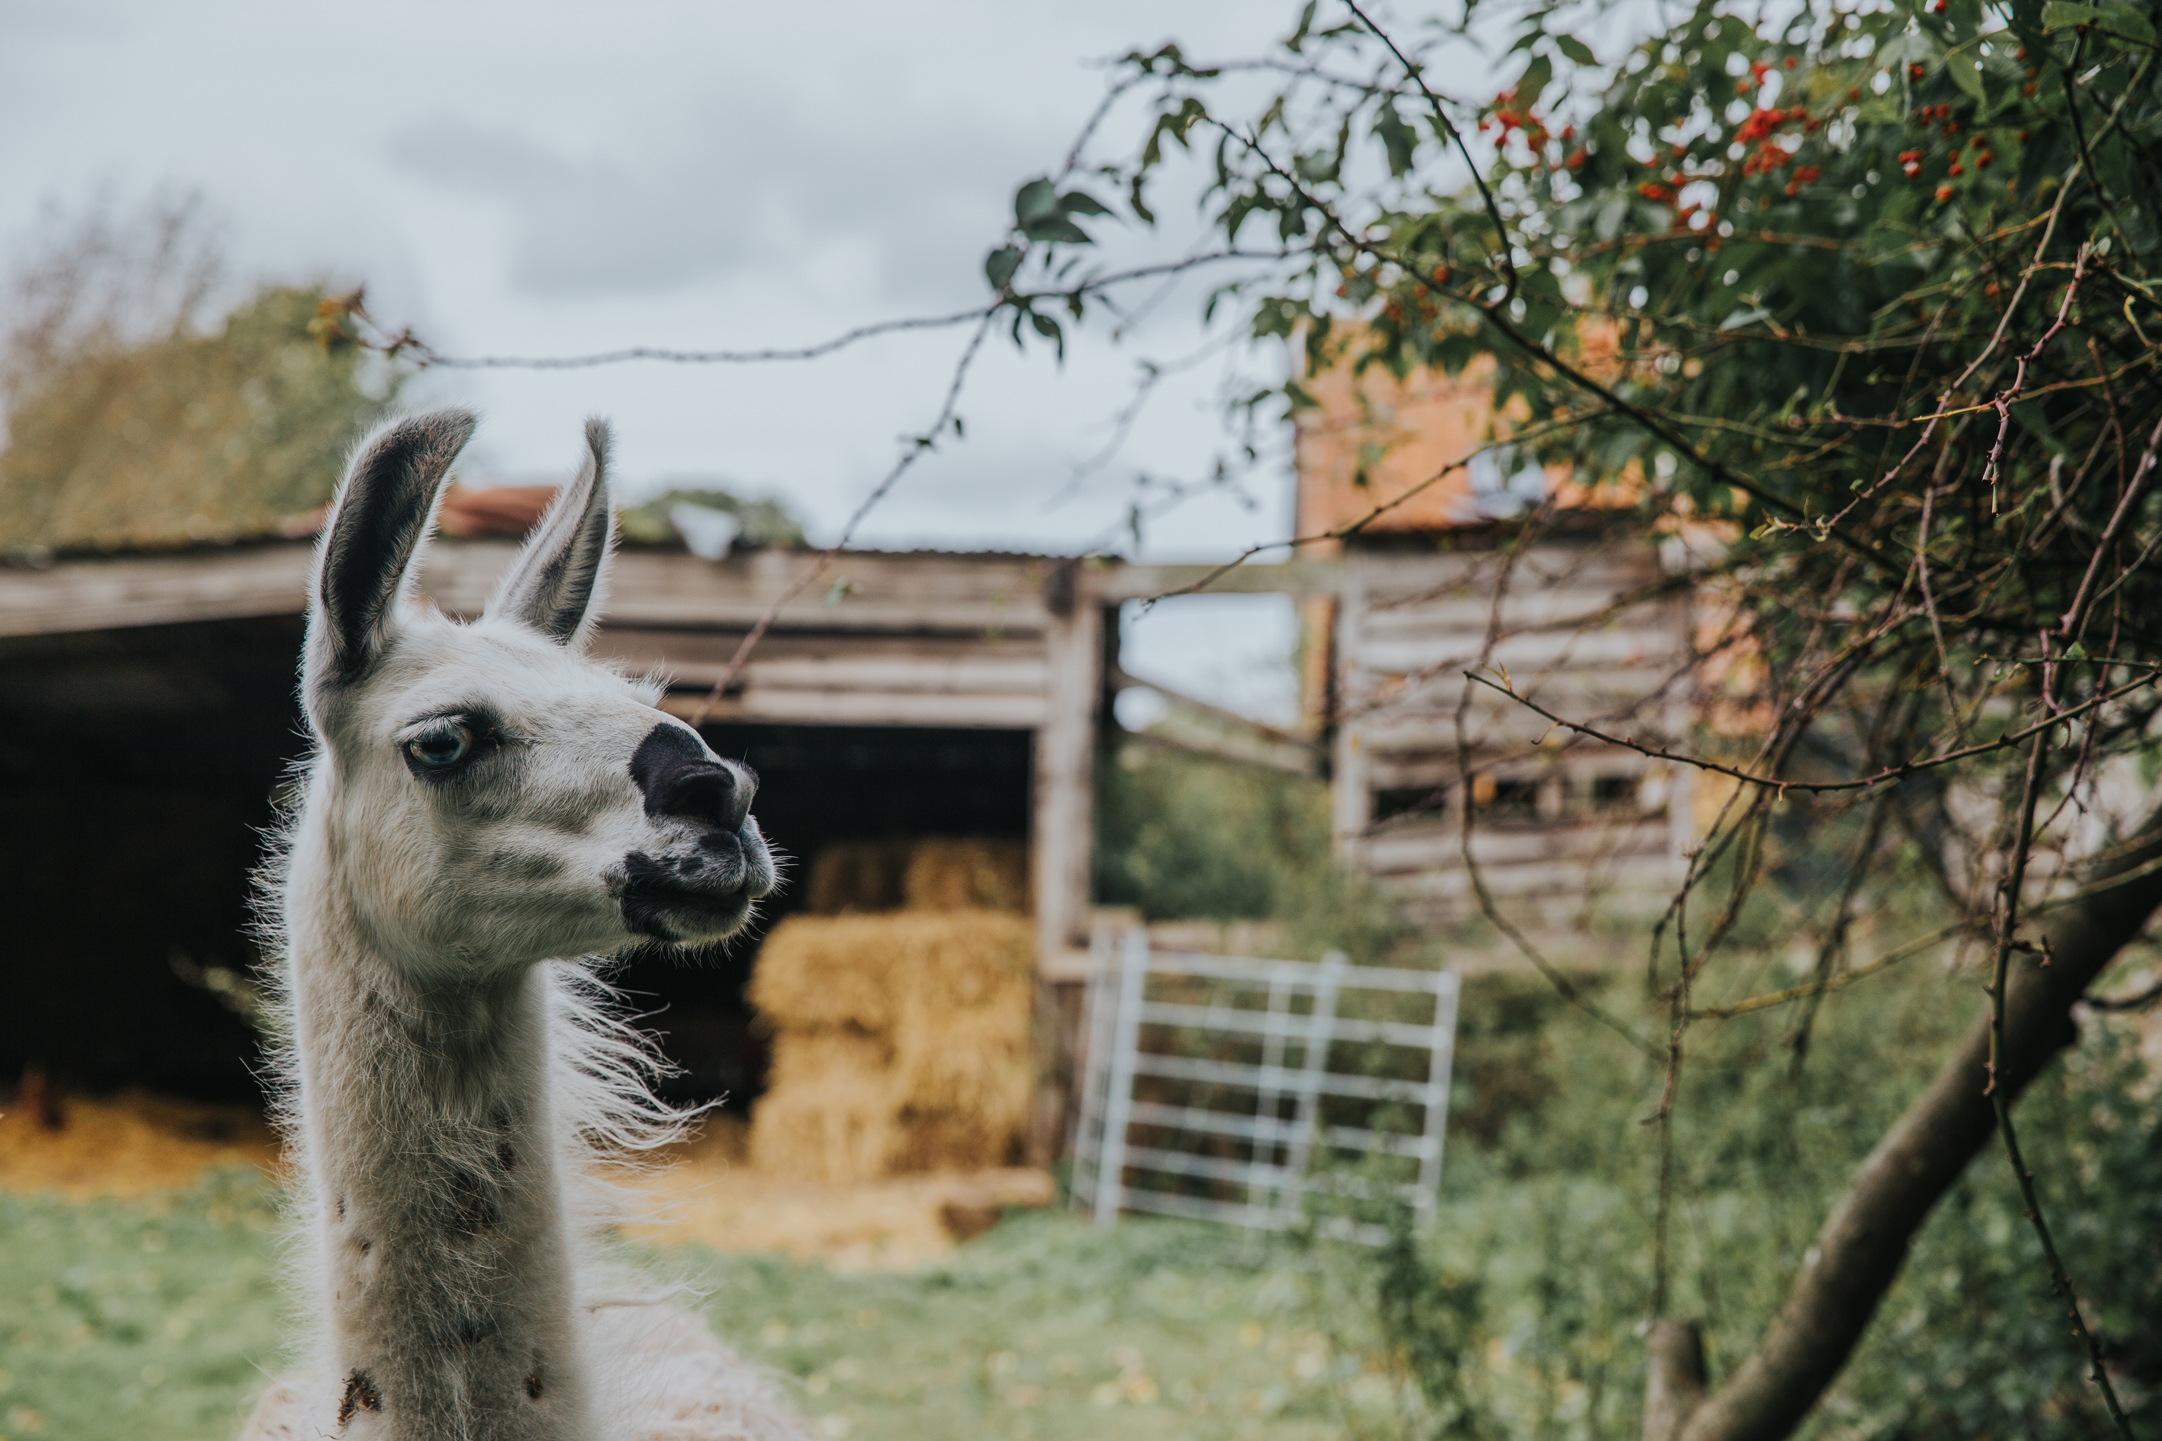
[1046,1329]
[1513,1318]
[141,1319]
[158,1320]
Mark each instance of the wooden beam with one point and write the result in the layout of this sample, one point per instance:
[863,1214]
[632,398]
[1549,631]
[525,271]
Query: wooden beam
[1062,845]
[1063,816]
[944,675]
[1272,757]
[900,593]
[122,592]
[1147,582]
[865,708]
[1122,678]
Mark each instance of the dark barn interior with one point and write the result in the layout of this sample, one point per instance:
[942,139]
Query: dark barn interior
[817,785]
[138,773]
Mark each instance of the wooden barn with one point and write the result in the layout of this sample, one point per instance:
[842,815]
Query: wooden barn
[1585,621]
[147,715]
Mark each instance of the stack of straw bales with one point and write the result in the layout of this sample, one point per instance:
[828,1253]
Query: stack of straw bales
[935,874]
[901,1038]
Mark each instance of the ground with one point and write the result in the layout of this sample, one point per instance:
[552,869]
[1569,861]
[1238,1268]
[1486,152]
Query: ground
[140,1300]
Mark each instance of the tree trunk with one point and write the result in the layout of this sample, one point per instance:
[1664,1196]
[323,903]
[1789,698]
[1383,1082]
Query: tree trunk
[1673,1379]
[1864,1240]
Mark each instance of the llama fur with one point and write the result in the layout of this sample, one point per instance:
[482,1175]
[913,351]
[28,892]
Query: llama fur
[483,805]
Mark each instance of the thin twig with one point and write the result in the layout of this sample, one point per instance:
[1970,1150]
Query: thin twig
[911,452]
[2001,1098]
[1876,778]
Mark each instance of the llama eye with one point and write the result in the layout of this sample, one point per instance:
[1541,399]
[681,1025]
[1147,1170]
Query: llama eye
[442,747]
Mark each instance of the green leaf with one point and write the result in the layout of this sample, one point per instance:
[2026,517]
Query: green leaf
[1135,203]
[1575,49]
[1037,198]
[2063,15]
[1080,202]
[1049,330]
[999,266]
[2126,20]
[1396,139]
[1305,27]
[1533,82]
[1056,229]
[1966,72]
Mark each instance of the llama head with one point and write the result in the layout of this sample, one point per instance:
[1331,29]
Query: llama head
[489,796]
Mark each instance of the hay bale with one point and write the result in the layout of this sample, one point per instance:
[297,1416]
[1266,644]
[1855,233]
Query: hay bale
[827,1114]
[967,873]
[848,877]
[940,873]
[901,1042]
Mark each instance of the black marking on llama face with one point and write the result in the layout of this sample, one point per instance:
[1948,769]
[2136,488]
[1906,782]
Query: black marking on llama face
[657,891]
[381,511]
[360,1395]
[533,1384]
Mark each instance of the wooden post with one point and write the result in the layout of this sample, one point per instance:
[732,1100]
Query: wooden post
[1062,822]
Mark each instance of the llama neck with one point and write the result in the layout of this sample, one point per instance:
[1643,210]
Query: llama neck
[440,1216]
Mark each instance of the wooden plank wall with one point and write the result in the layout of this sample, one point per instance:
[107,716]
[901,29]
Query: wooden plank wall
[1557,820]
[882,639]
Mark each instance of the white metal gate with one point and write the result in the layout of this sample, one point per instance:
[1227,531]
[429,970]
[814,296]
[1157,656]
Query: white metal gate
[1210,1085]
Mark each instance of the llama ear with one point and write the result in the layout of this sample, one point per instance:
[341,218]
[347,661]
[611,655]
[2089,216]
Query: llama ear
[376,527]
[553,584]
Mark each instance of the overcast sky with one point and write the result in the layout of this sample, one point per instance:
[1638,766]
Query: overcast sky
[544,178]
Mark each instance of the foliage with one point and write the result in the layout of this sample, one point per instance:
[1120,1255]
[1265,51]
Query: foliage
[1540,1258]
[1854,299]
[1180,836]
[1864,282]
[765,521]
[130,425]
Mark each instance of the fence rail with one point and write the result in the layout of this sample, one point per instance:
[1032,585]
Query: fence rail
[1230,1136]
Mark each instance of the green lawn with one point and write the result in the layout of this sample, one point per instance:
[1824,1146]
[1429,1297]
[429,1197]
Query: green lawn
[1515,1316]
[137,1319]
[156,1321]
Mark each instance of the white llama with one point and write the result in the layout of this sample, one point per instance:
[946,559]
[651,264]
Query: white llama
[484,806]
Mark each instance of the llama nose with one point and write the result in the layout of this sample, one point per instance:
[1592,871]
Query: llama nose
[682,779]
[713,794]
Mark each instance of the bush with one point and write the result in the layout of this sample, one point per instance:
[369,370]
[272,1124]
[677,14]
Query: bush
[1540,1255]
[1178,836]
[131,424]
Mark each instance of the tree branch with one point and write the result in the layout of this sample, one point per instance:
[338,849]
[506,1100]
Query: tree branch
[1858,1253]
